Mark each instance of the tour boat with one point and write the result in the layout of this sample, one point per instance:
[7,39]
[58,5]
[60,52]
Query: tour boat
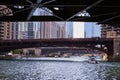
[92,60]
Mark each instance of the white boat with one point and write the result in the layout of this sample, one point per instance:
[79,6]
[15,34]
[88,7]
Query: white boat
[92,60]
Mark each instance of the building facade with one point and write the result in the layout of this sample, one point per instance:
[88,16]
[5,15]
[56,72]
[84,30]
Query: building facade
[26,30]
[69,29]
[78,29]
[75,30]
[82,30]
[39,30]
[108,31]
[52,30]
[6,30]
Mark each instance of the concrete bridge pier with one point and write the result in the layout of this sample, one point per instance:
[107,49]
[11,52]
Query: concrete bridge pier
[35,51]
[116,47]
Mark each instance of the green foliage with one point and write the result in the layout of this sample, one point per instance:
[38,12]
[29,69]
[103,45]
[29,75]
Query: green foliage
[17,51]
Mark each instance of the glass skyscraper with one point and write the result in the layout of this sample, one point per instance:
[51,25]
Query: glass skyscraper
[82,30]
[69,29]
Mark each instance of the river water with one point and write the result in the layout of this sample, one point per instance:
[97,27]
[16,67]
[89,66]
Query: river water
[58,70]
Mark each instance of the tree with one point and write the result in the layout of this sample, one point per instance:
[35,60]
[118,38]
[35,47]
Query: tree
[17,51]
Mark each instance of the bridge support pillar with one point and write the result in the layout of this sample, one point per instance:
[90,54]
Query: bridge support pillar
[116,49]
[37,51]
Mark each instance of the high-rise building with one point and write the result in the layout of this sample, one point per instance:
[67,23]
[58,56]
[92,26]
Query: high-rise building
[20,30]
[108,31]
[5,27]
[92,30]
[31,30]
[43,30]
[51,29]
[82,30]
[75,30]
[6,30]
[78,30]
[36,30]
[26,30]
[69,29]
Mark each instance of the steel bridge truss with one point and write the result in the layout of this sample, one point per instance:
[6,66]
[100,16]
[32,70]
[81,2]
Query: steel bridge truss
[101,11]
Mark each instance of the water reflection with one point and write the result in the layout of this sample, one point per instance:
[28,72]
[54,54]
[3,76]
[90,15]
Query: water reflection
[52,70]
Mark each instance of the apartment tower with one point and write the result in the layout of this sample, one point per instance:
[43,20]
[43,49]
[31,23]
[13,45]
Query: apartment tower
[5,27]
[108,31]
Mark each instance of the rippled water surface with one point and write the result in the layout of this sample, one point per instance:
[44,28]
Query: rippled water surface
[52,70]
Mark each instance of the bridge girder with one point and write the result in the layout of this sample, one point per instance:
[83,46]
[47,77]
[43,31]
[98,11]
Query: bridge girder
[80,42]
[101,11]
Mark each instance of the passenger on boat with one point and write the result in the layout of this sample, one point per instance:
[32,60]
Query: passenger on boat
[93,60]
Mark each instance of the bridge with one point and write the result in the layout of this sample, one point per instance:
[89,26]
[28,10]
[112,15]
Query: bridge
[7,45]
[101,11]
[107,45]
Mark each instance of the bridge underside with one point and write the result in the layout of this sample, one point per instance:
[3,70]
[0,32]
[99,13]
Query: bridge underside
[7,45]
[101,11]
